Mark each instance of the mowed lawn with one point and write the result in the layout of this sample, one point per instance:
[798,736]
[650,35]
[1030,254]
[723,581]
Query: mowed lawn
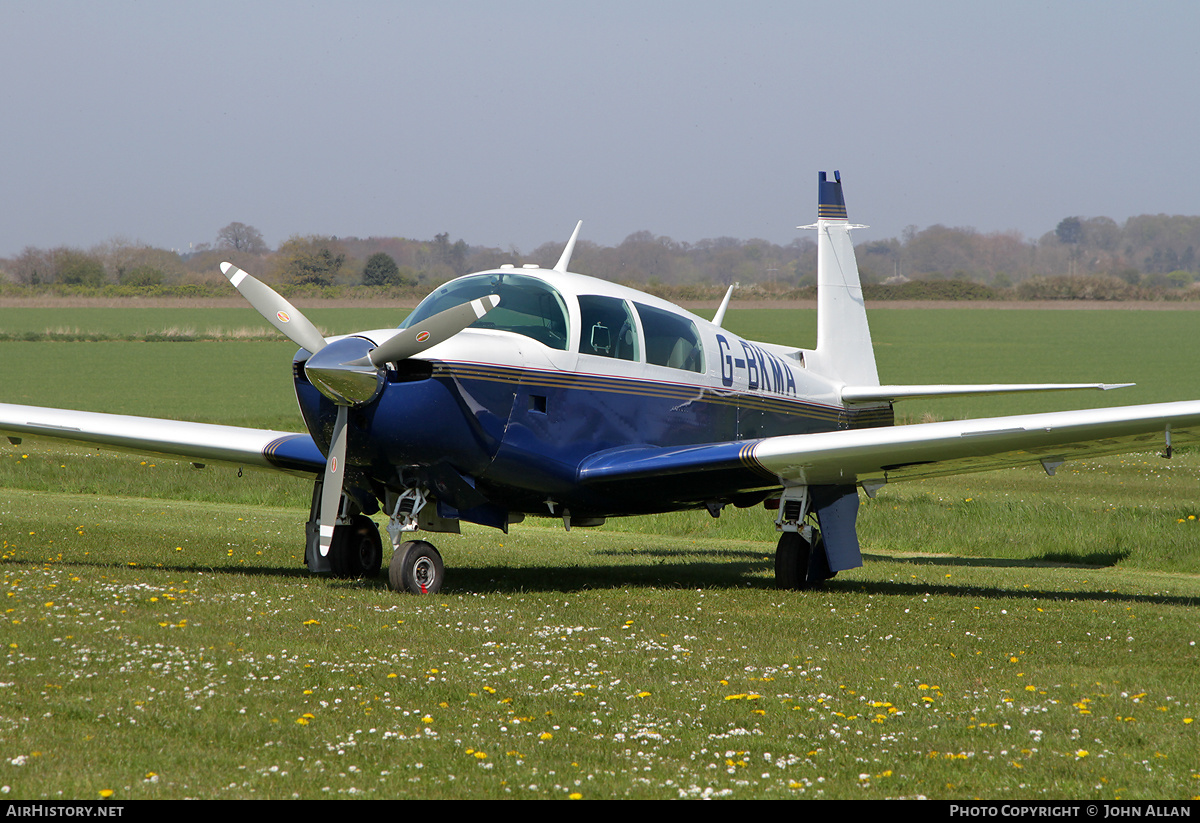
[1012,634]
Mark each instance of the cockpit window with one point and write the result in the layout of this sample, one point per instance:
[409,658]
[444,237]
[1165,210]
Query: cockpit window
[671,340]
[608,329]
[527,306]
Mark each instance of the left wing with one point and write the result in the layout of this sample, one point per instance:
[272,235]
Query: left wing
[197,442]
[875,456]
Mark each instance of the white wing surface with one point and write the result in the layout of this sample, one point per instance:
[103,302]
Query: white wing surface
[197,442]
[960,446]
[872,457]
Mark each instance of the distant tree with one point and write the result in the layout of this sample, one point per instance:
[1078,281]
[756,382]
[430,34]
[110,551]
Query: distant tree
[1069,230]
[1101,233]
[240,237]
[381,270]
[310,261]
[76,268]
[450,254]
[33,266]
[122,255]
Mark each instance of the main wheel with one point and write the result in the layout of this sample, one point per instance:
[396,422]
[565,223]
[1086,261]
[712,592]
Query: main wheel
[356,549]
[416,568]
[791,561]
[800,564]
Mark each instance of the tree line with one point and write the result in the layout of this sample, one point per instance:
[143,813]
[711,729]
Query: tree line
[1146,255]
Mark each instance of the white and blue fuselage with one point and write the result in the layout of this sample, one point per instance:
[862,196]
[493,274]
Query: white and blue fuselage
[568,371]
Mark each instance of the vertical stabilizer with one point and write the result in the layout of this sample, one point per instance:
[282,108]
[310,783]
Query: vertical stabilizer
[843,350]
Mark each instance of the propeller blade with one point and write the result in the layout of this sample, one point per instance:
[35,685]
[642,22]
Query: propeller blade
[442,326]
[279,313]
[331,488]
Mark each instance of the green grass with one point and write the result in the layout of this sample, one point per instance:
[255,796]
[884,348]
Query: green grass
[1011,636]
[179,649]
[140,321]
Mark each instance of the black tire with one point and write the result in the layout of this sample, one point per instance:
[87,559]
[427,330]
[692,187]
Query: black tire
[791,561]
[797,565]
[416,568]
[356,549]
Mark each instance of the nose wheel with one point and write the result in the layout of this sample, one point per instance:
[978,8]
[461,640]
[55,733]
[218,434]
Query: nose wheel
[416,568]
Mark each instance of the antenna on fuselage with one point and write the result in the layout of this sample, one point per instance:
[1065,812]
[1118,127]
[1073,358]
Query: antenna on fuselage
[720,315]
[565,260]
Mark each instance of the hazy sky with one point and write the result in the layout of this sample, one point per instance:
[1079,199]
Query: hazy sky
[505,122]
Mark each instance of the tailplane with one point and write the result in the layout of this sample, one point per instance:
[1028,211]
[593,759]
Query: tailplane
[844,353]
[843,350]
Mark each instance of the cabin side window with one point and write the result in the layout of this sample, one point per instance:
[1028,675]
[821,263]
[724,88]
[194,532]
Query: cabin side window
[607,328]
[671,340]
[527,306]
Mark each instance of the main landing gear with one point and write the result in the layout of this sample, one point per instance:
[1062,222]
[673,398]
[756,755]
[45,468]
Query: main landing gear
[800,561]
[356,550]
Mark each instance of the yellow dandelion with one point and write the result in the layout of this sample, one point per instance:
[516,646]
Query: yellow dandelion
[106,793]
[575,796]
[545,736]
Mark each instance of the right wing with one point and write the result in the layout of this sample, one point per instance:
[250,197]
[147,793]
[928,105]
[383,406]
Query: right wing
[874,456]
[197,442]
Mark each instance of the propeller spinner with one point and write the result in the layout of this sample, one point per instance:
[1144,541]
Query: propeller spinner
[349,371]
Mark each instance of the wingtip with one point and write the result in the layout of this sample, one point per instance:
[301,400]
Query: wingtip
[225,267]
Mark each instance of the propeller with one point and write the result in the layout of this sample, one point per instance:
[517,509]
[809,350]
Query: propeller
[349,371]
[279,313]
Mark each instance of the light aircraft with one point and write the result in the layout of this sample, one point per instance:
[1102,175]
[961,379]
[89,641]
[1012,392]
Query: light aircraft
[529,391]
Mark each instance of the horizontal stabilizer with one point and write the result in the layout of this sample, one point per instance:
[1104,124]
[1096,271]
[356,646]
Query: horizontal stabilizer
[875,394]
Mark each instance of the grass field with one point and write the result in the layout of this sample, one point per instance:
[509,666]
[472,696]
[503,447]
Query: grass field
[1011,636]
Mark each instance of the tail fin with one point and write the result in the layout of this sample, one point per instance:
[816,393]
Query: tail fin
[843,350]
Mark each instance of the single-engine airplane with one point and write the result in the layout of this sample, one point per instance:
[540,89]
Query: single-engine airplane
[531,391]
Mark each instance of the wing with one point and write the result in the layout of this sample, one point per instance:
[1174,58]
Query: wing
[197,442]
[872,457]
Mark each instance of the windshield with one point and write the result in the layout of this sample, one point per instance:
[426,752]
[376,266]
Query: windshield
[527,306]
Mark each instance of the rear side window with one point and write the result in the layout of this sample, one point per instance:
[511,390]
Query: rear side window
[607,327]
[671,340]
